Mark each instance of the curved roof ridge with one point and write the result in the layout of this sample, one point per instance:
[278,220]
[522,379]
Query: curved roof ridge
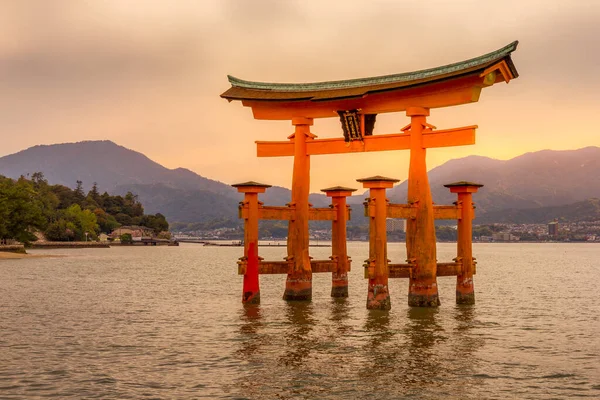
[379,80]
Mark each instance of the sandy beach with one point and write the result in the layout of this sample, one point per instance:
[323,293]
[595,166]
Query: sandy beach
[5,255]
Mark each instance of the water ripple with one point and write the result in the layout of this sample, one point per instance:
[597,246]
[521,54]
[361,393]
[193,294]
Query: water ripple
[167,323]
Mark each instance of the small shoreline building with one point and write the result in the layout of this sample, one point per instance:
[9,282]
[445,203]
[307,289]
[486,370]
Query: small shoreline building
[553,228]
[138,233]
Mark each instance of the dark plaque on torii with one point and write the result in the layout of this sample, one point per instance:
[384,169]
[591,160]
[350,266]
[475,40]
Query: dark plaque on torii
[356,125]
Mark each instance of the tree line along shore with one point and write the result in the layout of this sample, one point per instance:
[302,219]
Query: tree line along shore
[32,210]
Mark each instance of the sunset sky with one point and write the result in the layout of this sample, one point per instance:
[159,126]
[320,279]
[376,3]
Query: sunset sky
[147,74]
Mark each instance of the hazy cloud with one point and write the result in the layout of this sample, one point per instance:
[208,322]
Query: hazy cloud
[148,74]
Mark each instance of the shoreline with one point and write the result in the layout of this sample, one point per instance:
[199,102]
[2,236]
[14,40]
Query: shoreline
[5,255]
[68,245]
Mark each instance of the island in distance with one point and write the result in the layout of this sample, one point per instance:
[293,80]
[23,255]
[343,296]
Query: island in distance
[534,180]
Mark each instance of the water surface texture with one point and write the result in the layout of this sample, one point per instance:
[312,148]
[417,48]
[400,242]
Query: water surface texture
[167,322]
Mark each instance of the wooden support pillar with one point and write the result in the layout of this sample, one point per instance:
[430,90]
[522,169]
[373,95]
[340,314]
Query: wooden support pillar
[377,271]
[420,231]
[339,251]
[465,293]
[248,264]
[298,285]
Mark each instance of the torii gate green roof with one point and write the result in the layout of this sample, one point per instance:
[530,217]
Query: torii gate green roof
[248,90]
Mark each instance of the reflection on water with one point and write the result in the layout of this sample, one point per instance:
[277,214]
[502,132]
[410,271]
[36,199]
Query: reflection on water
[340,309]
[379,358]
[464,360]
[465,315]
[340,315]
[300,324]
[377,326]
[424,366]
[392,355]
[249,330]
[423,328]
[251,316]
[467,343]
[134,323]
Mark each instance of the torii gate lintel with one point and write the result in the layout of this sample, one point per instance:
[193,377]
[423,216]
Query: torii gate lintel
[462,136]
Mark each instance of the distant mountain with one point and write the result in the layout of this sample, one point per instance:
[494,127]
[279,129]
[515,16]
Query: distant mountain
[538,179]
[179,194]
[183,205]
[103,162]
[533,180]
[587,210]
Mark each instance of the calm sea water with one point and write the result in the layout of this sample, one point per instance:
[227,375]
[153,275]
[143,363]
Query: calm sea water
[167,322]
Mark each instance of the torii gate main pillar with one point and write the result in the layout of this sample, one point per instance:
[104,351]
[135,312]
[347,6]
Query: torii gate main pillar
[420,231]
[298,285]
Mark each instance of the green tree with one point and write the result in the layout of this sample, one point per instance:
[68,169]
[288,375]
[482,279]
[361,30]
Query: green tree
[66,196]
[60,231]
[89,203]
[4,207]
[157,222]
[79,195]
[20,209]
[94,194]
[44,197]
[482,230]
[38,179]
[445,233]
[106,222]
[123,219]
[164,235]
[83,221]
[66,214]
[126,238]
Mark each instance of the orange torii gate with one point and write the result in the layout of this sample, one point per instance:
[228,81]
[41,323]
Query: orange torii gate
[357,102]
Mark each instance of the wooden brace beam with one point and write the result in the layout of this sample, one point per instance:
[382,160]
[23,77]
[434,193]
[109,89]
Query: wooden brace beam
[276,213]
[447,212]
[322,214]
[283,267]
[443,269]
[287,213]
[402,211]
[406,211]
[395,141]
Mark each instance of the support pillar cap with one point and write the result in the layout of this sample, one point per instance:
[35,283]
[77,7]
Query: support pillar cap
[463,183]
[338,191]
[378,181]
[251,187]
[463,186]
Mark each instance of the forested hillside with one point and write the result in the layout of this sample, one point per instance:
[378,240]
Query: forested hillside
[582,211]
[32,205]
[540,179]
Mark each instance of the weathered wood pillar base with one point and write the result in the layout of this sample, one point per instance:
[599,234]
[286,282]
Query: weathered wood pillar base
[465,293]
[423,295]
[465,298]
[251,286]
[339,284]
[248,265]
[378,297]
[298,287]
[251,298]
